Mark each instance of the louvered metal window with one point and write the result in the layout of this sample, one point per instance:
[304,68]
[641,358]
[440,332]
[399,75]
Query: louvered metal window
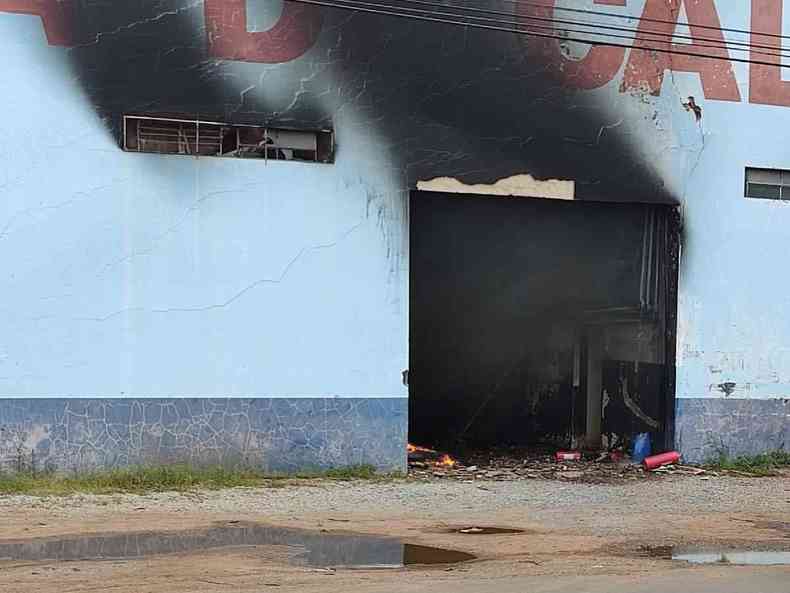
[769,184]
[163,135]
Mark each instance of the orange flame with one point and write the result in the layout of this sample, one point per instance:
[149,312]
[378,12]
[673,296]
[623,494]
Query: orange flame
[446,461]
[443,460]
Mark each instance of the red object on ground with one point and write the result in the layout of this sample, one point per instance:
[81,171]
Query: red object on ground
[567,456]
[659,460]
[616,455]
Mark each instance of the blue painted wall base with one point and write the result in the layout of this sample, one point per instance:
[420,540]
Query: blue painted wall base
[275,434]
[704,427]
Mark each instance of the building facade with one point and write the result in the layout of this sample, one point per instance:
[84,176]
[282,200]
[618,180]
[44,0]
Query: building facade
[193,306]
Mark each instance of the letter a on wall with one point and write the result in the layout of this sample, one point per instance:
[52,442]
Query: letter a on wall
[645,69]
[292,35]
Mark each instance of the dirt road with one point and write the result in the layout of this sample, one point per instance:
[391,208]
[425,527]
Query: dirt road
[574,537]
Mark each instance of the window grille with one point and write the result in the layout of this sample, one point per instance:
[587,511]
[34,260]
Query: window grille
[162,135]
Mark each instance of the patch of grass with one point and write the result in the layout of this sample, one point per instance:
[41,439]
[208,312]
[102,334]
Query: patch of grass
[169,478]
[355,472]
[342,474]
[765,464]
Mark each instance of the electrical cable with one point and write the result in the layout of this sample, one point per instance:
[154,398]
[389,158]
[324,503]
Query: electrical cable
[669,36]
[717,44]
[349,6]
[645,19]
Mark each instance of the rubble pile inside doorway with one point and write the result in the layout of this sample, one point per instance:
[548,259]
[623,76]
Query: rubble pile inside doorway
[521,463]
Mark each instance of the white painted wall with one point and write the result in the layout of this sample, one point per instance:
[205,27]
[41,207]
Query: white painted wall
[734,301]
[144,275]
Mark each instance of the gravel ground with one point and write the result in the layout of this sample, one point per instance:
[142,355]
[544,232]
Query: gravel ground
[604,531]
[672,495]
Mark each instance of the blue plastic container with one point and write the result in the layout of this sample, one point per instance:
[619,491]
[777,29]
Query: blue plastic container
[642,447]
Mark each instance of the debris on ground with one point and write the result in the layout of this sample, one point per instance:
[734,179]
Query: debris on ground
[687,470]
[534,463]
[520,463]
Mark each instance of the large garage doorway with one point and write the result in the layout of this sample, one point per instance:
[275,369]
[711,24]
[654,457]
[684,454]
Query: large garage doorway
[540,322]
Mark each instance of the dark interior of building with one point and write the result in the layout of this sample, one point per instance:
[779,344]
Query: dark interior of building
[537,321]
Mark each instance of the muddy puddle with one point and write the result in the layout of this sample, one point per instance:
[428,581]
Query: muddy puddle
[316,549]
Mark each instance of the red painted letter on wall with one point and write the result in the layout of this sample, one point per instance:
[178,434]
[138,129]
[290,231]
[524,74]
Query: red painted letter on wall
[765,82]
[594,70]
[645,69]
[56,16]
[292,35]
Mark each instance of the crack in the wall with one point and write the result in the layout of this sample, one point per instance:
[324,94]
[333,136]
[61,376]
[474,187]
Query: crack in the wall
[146,21]
[235,297]
[700,124]
[26,212]
[172,229]
[273,434]
[607,127]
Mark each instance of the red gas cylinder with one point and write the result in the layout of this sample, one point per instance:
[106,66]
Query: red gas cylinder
[659,460]
[567,456]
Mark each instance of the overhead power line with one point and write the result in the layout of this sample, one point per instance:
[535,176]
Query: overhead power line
[734,45]
[389,10]
[662,37]
[645,19]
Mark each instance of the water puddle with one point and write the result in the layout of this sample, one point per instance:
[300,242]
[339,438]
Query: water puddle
[317,549]
[734,557]
[485,531]
[699,555]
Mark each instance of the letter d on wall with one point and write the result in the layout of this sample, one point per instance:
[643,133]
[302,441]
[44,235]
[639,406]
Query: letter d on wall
[57,16]
[292,35]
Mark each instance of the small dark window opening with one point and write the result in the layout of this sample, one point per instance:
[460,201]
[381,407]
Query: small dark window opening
[161,135]
[768,184]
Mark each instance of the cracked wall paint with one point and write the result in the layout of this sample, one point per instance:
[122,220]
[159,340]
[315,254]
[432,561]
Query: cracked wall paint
[709,427]
[279,434]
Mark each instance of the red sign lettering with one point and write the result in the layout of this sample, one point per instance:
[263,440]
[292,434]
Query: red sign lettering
[765,82]
[594,70]
[294,33]
[56,16]
[645,69]
[299,25]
